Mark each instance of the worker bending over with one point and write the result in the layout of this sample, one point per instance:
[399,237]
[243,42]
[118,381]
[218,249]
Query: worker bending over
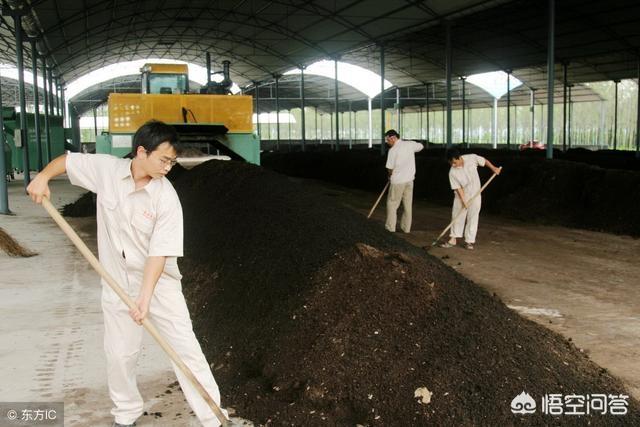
[465,182]
[140,233]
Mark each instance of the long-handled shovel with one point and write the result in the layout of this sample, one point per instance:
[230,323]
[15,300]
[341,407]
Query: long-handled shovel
[86,252]
[435,242]
[375,205]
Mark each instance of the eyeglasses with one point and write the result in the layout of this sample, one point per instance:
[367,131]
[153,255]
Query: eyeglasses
[164,161]
[168,162]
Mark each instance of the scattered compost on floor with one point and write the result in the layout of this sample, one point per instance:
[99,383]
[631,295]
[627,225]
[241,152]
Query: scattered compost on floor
[11,247]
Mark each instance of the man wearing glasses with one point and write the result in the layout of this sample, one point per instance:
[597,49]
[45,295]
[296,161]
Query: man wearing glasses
[140,235]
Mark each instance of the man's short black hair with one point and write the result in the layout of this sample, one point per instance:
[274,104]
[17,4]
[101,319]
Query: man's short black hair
[152,134]
[392,132]
[452,154]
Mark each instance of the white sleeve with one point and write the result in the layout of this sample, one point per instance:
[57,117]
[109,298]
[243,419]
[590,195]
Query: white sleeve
[391,159]
[417,146]
[167,236]
[453,181]
[480,161]
[88,170]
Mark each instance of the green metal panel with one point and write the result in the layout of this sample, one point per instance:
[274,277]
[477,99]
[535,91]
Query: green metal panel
[105,144]
[57,140]
[245,144]
[7,156]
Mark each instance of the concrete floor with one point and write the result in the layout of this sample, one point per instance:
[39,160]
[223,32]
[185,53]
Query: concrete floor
[581,284]
[51,329]
[584,285]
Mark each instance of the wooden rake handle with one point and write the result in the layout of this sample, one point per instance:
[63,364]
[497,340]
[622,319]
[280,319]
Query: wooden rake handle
[375,205]
[86,252]
[464,209]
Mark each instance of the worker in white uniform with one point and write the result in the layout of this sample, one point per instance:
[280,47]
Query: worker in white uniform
[401,168]
[465,182]
[140,234]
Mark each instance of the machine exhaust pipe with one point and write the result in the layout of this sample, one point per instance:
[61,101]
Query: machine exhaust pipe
[225,72]
[223,86]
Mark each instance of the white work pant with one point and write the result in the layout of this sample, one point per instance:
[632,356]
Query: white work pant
[466,222]
[399,193]
[122,341]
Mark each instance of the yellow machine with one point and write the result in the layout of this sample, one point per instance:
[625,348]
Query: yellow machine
[212,123]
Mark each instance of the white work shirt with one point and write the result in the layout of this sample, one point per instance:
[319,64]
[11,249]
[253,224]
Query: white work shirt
[132,224]
[466,176]
[401,159]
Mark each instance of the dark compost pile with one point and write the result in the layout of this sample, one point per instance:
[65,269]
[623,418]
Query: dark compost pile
[591,190]
[311,315]
[84,206]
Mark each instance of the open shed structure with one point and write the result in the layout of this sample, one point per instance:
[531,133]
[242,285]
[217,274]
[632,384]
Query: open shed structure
[426,49]
[274,272]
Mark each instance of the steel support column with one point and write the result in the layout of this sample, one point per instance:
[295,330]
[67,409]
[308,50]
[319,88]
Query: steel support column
[564,106]
[444,124]
[289,115]
[470,130]
[24,134]
[420,123]
[515,121]
[508,109]
[615,118]
[277,77]
[257,91]
[315,126]
[332,141]
[36,104]
[4,191]
[370,122]
[464,79]
[382,120]
[45,97]
[51,97]
[350,128]
[74,122]
[64,106]
[551,68]
[208,63]
[427,108]
[494,124]
[398,112]
[533,115]
[95,122]
[638,112]
[570,117]
[448,64]
[337,100]
[302,114]
[56,84]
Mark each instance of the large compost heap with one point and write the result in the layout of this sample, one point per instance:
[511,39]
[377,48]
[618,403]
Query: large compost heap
[311,315]
[582,189]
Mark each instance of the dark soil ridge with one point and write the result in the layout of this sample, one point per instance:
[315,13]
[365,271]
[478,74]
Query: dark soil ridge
[311,315]
[530,188]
